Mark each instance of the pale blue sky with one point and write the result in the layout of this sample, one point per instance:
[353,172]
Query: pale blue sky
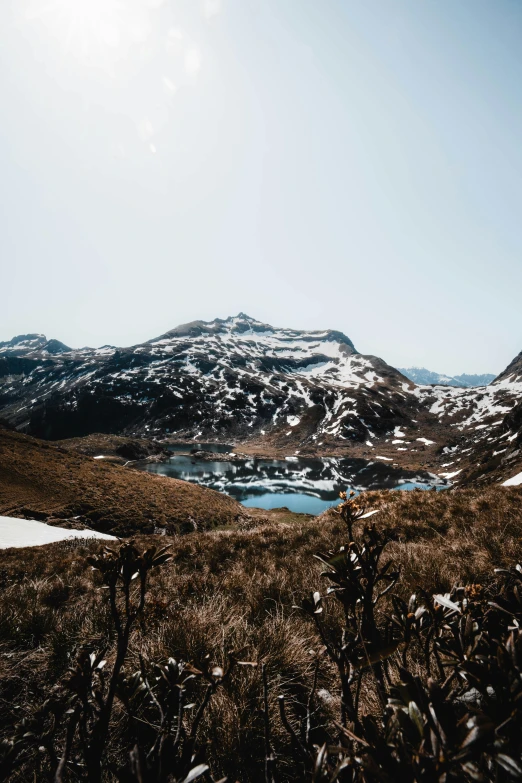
[314,163]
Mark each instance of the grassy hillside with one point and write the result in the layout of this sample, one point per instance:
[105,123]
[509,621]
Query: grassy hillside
[42,481]
[238,590]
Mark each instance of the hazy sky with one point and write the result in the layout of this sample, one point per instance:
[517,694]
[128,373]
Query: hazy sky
[351,164]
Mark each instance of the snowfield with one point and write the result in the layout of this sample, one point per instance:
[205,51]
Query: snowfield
[28,532]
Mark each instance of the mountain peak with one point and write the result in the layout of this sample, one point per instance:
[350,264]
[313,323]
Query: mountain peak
[25,344]
[240,317]
[26,338]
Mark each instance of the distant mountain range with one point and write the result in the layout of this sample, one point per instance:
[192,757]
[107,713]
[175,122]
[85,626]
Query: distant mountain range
[421,375]
[267,390]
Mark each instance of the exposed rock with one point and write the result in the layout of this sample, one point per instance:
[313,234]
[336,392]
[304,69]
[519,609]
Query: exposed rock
[235,378]
[268,390]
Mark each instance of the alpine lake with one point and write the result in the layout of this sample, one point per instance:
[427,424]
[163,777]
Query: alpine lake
[303,485]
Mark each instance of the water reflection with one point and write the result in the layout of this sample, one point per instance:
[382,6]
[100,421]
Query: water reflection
[304,485]
[191,448]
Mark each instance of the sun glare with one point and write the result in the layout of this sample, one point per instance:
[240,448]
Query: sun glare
[97,32]
[144,48]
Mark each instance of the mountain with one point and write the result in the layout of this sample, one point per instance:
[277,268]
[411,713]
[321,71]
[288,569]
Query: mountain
[232,378]
[474,380]
[32,345]
[269,390]
[483,427]
[513,371]
[421,375]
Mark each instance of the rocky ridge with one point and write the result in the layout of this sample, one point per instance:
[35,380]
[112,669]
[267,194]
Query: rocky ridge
[32,345]
[235,378]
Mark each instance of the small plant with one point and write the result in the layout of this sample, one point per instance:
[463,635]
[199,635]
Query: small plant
[73,726]
[421,688]
[462,720]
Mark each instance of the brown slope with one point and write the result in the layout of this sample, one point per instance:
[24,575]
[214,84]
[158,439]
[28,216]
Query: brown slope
[116,448]
[41,481]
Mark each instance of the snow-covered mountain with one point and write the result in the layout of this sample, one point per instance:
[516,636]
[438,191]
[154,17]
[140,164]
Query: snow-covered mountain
[244,382]
[224,378]
[32,345]
[421,375]
[483,426]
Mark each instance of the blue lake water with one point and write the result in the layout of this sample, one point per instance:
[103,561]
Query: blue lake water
[302,485]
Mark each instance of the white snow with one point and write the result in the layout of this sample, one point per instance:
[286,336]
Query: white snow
[426,441]
[28,532]
[515,481]
[293,370]
[471,406]
[451,475]
[388,459]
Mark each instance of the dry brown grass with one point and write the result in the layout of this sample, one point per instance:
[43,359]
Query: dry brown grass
[233,589]
[39,480]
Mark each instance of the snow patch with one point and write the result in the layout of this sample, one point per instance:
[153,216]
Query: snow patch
[451,475]
[28,532]
[515,481]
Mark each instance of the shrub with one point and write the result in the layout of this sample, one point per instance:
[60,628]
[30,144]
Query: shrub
[461,719]
[73,726]
[360,682]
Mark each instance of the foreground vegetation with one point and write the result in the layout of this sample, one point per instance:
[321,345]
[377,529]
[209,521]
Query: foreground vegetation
[228,651]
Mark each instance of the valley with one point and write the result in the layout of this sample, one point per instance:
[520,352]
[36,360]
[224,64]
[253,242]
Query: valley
[218,451]
[260,462]
[272,392]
